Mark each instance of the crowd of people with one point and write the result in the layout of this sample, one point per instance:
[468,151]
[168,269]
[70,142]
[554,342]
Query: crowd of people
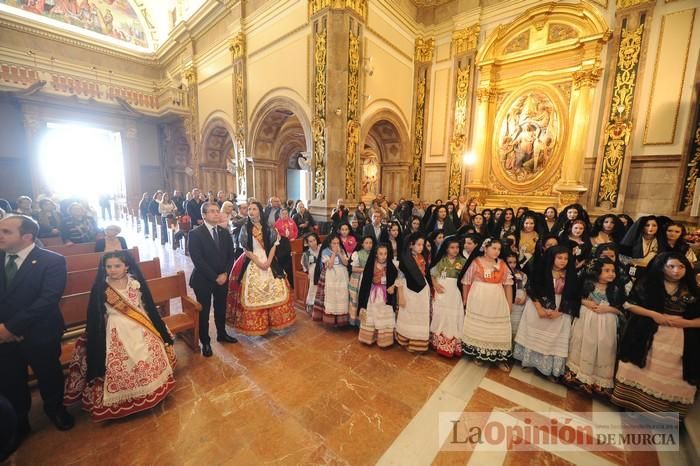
[608,306]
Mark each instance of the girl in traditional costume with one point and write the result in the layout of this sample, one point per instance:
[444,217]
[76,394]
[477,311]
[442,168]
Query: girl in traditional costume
[347,239]
[331,277]
[472,242]
[448,308]
[659,367]
[607,229]
[259,300]
[376,299]
[488,294]
[527,236]
[542,340]
[413,320]
[576,235]
[123,362]
[593,345]
[519,293]
[641,243]
[357,264]
[309,260]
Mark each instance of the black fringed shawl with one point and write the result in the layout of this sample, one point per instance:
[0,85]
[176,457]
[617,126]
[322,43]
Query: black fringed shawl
[639,332]
[268,242]
[415,280]
[540,287]
[367,277]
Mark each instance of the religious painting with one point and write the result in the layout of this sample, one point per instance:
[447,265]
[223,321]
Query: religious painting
[113,18]
[370,174]
[529,132]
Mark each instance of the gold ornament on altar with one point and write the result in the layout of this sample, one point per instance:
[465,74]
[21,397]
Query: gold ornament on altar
[529,133]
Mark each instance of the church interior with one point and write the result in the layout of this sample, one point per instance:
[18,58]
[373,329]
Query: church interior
[508,103]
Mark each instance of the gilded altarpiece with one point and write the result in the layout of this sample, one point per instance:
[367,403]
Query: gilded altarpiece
[533,107]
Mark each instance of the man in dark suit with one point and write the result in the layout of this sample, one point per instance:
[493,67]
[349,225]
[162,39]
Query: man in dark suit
[193,207]
[211,251]
[375,229]
[31,324]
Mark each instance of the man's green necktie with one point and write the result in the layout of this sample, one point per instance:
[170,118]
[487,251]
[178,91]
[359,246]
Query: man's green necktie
[10,268]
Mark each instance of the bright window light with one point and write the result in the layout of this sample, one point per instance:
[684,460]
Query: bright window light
[81,161]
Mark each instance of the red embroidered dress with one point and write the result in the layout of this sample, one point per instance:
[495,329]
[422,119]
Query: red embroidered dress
[138,365]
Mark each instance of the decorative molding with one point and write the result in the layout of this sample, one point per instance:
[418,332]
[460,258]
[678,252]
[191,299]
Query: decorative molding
[518,43]
[692,169]
[419,129]
[464,40]
[620,4]
[237,46]
[424,50]
[558,32]
[619,128]
[587,78]
[353,115]
[318,124]
[357,6]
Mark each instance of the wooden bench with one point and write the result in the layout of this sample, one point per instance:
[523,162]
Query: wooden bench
[92,260]
[73,249]
[81,281]
[185,324]
[301,278]
[52,241]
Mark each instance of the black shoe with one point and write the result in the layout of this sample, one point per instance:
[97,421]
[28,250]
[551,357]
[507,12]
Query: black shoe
[206,350]
[62,420]
[226,338]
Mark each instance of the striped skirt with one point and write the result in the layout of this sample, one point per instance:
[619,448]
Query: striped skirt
[659,386]
[487,333]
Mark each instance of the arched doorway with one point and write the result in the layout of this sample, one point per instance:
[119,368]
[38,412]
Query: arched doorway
[216,156]
[280,149]
[384,160]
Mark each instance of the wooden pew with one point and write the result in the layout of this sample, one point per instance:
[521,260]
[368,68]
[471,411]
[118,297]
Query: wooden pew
[186,324]
[52,241]
[301,278]
[73,249]
[80,281]
[92,260]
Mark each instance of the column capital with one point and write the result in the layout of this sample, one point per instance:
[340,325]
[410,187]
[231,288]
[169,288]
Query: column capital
[357,6]
[487,94]
[424,50]
[236,46]
[465,39]
[587,78]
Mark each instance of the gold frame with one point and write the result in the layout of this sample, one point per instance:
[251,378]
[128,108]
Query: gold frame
[553,169]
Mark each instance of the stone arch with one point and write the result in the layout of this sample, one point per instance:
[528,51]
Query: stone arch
[215,155]
[279,132]
[385,139]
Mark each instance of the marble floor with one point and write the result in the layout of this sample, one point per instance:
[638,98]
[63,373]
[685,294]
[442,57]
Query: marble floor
[313,396]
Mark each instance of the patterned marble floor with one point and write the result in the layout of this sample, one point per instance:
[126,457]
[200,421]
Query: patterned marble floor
[313,396]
